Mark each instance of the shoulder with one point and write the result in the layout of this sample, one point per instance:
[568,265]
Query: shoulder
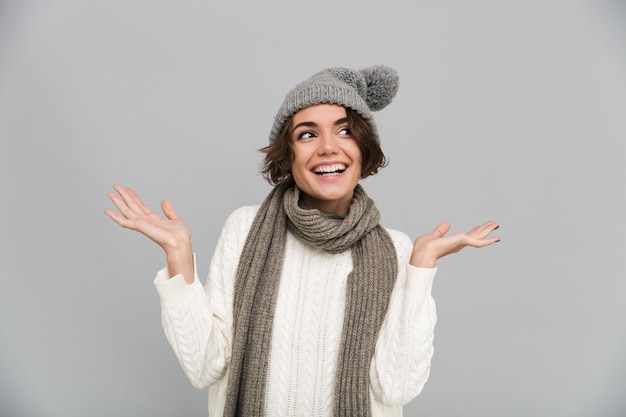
[399,238]
[240,220]
[235,231]
[403,244]
[243,214]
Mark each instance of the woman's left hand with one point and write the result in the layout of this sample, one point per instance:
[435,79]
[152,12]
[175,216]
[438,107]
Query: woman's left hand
[432,246]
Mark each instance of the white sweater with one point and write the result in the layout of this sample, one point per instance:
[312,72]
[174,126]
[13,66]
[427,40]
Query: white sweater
[307,327]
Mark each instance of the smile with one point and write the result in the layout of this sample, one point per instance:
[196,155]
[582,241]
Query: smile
[333,169]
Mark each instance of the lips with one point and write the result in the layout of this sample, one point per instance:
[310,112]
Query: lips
[330,169]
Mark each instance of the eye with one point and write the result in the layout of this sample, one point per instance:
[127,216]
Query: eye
[305,135]
[344,131]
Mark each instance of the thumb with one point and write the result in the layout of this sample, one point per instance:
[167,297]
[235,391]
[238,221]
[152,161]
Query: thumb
[168,210]
[442,229]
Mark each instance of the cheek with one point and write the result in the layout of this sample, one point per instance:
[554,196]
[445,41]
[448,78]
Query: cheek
[358,158]
[294,161]
[297,167]
[298,158]
[357,155]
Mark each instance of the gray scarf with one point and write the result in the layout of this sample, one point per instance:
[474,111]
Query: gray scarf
[368,290]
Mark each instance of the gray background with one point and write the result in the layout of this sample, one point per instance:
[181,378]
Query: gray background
[513,111]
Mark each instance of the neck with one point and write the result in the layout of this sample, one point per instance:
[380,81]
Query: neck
[330,207]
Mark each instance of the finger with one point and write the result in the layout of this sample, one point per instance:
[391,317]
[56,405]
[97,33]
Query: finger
[122,221]
[121,205]
[145,209]
[484,225]
[130,198]
[481,242]
[442,229]
[169,211]
[484,229]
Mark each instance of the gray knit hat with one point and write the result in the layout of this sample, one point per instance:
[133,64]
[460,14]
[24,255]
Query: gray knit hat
[370,89]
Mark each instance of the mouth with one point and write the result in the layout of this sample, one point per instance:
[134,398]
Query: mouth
[329,170]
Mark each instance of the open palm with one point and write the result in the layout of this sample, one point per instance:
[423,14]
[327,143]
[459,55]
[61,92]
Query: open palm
[432,246]
[169,232]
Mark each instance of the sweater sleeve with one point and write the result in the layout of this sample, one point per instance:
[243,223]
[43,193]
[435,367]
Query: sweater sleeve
[401,362]
[197,320]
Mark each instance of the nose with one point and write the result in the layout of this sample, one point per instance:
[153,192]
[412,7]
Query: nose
[327,144]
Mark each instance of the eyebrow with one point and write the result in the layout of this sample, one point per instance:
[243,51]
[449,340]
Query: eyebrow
[313,124]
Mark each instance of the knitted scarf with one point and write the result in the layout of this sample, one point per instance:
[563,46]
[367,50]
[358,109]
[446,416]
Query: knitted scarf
[368,290]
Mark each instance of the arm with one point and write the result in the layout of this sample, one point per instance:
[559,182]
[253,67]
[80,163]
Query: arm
[404,347]
[199,339]
[198,321]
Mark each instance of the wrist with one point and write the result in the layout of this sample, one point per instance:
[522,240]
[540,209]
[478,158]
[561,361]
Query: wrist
[180,254]
[423,262]
[423,259]
[180,261]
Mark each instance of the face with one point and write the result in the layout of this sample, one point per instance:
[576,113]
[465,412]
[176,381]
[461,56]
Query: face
[326,158]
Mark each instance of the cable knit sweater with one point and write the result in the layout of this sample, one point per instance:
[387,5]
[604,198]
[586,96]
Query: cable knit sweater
[307,327]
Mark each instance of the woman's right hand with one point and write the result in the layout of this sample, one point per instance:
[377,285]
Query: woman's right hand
[170,233]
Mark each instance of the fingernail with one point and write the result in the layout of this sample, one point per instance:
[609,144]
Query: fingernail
[497,227]
[497,241]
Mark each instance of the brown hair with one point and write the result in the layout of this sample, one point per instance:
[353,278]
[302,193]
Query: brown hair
[278,155]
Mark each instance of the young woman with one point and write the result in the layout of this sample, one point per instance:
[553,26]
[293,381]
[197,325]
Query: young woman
[311,307]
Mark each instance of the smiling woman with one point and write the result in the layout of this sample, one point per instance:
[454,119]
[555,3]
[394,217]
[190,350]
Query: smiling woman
[326,158]
[278,159]
[311,307]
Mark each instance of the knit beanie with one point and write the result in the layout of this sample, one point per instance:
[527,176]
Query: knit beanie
[364,91]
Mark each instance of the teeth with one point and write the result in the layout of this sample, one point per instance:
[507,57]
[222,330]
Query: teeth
[330,169]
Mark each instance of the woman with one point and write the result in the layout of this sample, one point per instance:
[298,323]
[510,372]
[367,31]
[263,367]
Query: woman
[311,307]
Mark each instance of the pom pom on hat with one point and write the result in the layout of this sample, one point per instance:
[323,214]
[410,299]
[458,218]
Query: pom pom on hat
[364,91]
[382,86]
